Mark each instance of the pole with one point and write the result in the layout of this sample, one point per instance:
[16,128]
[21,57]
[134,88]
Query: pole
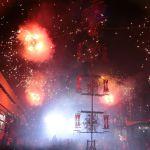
[92,100]
[91,144]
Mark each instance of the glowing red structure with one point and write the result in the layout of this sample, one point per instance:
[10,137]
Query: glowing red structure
[12,114]
[77,120]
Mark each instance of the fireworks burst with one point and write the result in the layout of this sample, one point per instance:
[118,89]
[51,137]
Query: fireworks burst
[119,90]
[109,99]
[38,47]
[35,89]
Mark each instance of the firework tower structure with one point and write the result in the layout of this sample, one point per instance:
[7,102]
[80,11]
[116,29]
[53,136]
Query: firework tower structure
[88,85]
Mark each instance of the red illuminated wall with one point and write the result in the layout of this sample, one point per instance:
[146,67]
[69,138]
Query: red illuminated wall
[8,99]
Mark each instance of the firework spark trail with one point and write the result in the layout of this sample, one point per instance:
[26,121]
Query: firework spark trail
[38,46]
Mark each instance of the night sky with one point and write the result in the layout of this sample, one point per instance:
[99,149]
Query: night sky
[90,36]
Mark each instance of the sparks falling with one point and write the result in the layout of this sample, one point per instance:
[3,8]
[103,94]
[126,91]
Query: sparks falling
[38,46]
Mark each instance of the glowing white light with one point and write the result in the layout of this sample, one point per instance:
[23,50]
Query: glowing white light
[28,37]
[57,124]
[36,36]
[109,99]
[39,46]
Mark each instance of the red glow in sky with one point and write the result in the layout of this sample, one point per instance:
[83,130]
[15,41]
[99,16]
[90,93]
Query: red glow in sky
[38,46]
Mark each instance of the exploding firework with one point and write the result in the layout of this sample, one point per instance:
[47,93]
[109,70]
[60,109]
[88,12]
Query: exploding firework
[38,47]
[35,90]
[35,98]
[118,90]
[109,99]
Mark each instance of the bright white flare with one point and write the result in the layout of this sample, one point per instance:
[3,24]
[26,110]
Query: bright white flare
[58,124]
[109,99]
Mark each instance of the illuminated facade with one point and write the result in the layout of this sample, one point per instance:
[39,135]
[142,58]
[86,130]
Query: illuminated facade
[10,111]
